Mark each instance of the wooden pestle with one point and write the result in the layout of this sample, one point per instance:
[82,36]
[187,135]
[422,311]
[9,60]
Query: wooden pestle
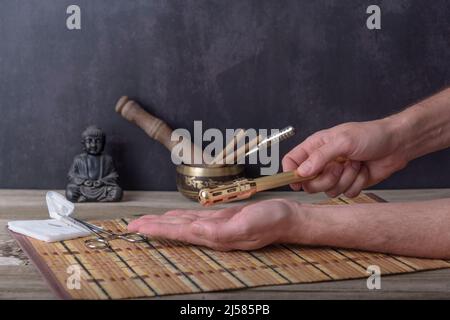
[156,128]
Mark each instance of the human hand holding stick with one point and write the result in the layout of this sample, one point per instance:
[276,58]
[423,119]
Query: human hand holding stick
[245,188]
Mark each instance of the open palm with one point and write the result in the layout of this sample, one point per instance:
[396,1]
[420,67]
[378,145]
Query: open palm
[241,227]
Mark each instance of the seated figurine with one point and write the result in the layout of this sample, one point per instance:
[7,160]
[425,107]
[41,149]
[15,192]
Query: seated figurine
[92,176]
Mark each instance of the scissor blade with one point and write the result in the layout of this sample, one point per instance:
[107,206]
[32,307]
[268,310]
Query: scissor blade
[75,222]
[91,226]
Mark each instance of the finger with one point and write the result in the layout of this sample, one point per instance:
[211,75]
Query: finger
[320,157]
[149,216]
[213,231]
[185,216]
[359,184]
[292,160]
[186,233]
[348,177]
[143,218]
[326,180]
[165,230]
[221,213]
[164,217]
[296,186]
[205,213]
[177,219]
[136,224]
[174,232]
[182,215]
[178,212]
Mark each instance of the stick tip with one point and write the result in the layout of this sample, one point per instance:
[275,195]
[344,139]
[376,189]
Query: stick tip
[121,103]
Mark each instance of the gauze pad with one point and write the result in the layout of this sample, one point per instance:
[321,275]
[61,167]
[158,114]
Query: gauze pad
[50,230]
[55,229]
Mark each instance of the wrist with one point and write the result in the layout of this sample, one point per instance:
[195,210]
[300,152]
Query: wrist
[399,127]
[321,225]
[301,228]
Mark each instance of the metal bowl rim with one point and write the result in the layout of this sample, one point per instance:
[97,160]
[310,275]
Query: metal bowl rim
[229,170]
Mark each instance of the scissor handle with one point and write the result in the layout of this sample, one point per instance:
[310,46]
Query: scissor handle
[97,243]
[132,237]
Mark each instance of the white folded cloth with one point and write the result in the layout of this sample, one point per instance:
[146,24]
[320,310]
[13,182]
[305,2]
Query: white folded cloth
[49,230]
[59,228]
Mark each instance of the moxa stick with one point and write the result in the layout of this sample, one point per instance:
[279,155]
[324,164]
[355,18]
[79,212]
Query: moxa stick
[245,188]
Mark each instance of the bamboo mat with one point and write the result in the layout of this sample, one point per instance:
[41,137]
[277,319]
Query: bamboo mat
[162,267]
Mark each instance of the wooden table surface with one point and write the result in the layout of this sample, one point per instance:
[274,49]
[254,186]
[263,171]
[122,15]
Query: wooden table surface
[19,279]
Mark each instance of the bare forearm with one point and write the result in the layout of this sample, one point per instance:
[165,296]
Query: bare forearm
[420,229]
[424,127]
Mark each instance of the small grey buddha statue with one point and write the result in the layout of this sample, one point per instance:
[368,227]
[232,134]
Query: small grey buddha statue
[92,176]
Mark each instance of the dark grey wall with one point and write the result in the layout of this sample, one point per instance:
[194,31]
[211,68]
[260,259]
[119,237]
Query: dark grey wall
[234,63]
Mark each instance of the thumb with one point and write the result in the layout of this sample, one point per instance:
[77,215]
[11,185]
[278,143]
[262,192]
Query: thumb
[319,158]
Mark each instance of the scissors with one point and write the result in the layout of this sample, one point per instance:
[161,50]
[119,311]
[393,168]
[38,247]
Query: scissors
[61,209]
[104,236]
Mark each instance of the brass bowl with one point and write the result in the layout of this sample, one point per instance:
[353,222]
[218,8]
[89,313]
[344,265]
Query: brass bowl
[191,179]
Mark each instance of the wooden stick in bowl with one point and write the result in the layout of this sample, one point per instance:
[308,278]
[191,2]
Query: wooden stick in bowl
[242,150]
[229,148]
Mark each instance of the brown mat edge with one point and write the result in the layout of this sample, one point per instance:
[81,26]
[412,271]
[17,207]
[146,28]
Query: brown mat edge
[40,265]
